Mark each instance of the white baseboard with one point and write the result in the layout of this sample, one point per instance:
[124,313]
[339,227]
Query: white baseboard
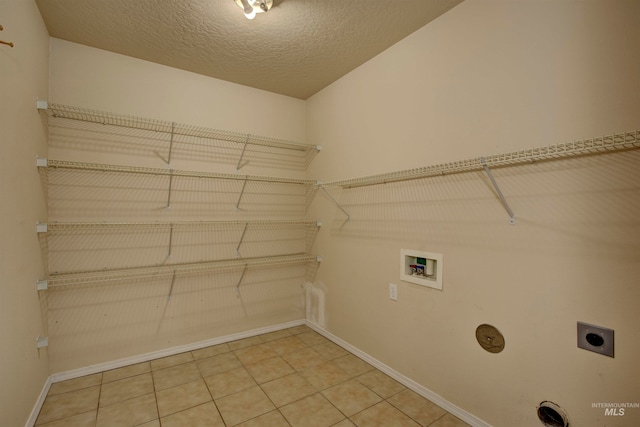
[465,416]
[33,417]
[94,369]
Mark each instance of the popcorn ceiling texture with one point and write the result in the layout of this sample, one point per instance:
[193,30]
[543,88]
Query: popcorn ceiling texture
[295,49]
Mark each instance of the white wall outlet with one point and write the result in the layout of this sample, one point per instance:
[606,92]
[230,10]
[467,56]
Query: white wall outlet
[393,291]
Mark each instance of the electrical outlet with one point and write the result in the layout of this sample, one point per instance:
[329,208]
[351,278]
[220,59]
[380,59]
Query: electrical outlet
[393,291]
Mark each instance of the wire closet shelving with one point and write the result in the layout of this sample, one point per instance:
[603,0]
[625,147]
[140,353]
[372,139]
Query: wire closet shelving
[600,145]
[172,130]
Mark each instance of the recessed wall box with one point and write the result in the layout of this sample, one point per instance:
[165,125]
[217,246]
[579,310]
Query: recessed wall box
[595,338]
[421,268]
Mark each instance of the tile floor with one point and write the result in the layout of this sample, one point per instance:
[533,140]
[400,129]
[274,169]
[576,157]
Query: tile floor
[294,377]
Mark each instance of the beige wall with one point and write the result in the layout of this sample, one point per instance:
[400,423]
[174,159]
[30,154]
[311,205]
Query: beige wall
[23,78]
[491,77]
[97,324]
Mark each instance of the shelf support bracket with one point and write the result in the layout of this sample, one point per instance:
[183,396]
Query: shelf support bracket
[246,224]
[335,202]
[173,280]
[170,185]
[244,270]
[241,194]
[170,240]
[42,285]
[42,342]
[173,126]
[512,219]
[240,165]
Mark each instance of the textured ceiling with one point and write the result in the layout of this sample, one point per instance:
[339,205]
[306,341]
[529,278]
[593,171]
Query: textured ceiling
[296,49]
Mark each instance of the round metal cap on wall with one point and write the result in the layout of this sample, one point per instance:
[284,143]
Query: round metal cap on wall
[490,338]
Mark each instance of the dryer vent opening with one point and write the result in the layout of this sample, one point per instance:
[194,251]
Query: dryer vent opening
[552,415]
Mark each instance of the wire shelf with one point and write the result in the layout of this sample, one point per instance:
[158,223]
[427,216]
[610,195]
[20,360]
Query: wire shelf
[63,164]
[102,276]
[107,118]
[80,226]
[605,144]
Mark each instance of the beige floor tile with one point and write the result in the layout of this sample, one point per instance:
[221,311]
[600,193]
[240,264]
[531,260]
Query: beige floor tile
[218,364]
[154,423]
[129,413]
[303,359]
[229,382]
[88,419]
[245,342]
[383,415]
[270,419]
[213,350]
[67,404]
[449,421]
[126,372]
[244,405]
[330,351]
[324,375]
[382,384]
[344,423]
[288,389]
[269,369]
[182,397]
[255,353]
[312,338]
[124,389]
[286,345]
[175,375]
[272,336]
[75,384]
[312,411]
[167,362]
[351,397]
[352,365]
[299,329]
[417,407]
[205,415]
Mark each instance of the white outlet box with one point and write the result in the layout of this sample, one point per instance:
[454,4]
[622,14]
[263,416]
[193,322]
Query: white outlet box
[421,268]
[393,291]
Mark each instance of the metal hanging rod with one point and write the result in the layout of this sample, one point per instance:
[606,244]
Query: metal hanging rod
[79,226]
[604,144]
[62,164]
[106,118]
[101,276]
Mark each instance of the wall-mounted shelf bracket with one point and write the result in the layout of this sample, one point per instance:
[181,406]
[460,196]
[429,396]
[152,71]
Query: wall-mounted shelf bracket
[170,241]
[244,185]
[173,280]
[41,227]
[318,258]
[244,231]
[335,202]
[318,223]
[42,342]
[244,270]
[173,129]
[244,148]
[42,162]
[512,219]
[42,104]
[42,285]
[318,147]
[169,192]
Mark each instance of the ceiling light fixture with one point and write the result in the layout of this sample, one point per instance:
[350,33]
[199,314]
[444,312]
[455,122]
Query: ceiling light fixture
[251,7]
